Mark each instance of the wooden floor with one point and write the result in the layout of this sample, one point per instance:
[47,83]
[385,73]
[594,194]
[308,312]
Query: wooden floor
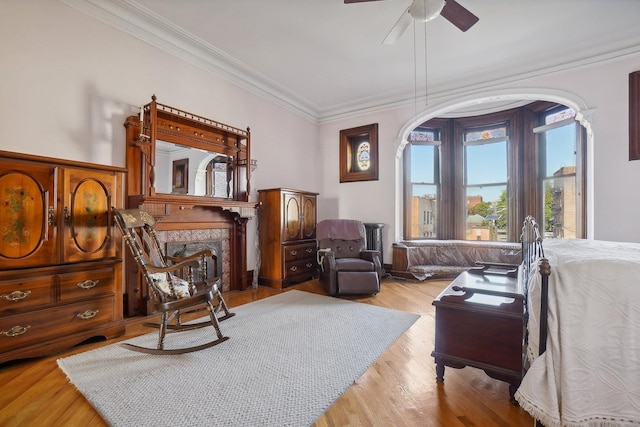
[399,389]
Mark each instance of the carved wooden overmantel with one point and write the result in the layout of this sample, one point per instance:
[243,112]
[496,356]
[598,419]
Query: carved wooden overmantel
[193,175]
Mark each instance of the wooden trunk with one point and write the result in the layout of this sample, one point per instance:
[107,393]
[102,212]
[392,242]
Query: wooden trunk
[480,330]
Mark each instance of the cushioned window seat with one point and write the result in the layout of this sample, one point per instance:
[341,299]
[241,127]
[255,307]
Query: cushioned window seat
[422,259]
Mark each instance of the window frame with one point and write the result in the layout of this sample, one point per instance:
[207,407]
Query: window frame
[511,119]
[443,128]
[579,174]
[523,192]
[409,183]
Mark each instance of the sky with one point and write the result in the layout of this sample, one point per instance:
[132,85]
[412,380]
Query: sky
[488,162]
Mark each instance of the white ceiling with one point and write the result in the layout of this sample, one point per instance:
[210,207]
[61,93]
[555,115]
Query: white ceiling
[325,59]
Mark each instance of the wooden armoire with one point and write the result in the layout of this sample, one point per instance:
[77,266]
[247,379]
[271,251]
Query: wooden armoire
[287,236]
[60,260]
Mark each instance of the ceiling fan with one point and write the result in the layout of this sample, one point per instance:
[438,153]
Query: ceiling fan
[426,10]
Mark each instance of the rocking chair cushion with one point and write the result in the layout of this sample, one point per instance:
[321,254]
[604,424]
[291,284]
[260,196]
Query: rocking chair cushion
[180,286]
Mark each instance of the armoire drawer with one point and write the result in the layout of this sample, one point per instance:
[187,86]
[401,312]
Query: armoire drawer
[300,251]
[28,328]
[21,294]
[85,284]
[300,267]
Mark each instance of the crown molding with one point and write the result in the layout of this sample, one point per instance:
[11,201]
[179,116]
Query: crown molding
[422,102]
[139,22]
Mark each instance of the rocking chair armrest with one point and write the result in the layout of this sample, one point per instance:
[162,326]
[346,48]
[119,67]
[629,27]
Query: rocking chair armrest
[196,256]
[173,267]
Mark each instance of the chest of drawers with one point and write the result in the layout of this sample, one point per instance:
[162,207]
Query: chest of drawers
[60,262]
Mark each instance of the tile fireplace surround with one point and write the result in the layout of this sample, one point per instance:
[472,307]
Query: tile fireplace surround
[214,236]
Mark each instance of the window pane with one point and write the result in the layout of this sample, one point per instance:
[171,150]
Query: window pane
[487,213]
[486,163]
[363,156]
[564,114]
[422,136]
[423,163]
[559,182]
[425,191]
[424,211]
[486,191]
[560,209]
[477,135]
[560,149]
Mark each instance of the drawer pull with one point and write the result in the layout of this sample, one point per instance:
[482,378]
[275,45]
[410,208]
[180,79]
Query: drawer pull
[67,215]
[15,331]
[16,296]
[309,265]
[293,268]
[52,215]
[87,314]
[88,284]
[294,253]
[309,250]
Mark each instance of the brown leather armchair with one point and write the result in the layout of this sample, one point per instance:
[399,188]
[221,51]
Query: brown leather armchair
[346,266]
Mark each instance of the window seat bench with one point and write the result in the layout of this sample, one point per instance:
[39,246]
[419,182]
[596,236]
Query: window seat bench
[421,259]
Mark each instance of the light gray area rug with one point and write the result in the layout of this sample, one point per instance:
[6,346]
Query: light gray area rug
[289,357]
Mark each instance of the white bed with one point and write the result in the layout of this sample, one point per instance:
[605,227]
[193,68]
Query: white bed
[589,374]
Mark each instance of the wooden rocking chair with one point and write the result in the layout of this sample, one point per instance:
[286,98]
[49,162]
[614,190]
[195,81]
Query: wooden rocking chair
[171,283]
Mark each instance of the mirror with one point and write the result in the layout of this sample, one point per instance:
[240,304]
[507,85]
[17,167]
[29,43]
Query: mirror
[192,171]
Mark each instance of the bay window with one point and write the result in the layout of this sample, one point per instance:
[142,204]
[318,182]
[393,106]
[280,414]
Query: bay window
[476,178]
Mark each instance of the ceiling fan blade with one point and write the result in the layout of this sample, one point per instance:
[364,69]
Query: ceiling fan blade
[357,1]
[398,29]
[458,15]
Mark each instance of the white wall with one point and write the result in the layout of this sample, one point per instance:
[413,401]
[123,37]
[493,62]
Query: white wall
[68,82]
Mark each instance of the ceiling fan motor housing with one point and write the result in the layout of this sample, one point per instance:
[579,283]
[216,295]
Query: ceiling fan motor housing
[426,10]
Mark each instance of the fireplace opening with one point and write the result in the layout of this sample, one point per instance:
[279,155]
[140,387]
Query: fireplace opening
[214,264]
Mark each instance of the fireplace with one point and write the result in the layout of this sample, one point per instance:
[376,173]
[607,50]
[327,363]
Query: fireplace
[187,224]
[187,242]
[184,248]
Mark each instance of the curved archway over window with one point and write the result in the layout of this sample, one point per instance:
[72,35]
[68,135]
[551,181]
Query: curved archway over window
[463,175]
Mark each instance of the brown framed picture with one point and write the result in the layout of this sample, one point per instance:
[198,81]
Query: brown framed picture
[359,153]
[180,182]
[634,115]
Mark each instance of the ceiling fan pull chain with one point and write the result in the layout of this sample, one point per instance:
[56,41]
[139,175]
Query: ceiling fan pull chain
[426,68]
[415,73]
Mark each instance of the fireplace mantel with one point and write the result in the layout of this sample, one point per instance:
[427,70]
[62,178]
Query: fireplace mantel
[193,175]
[244,210]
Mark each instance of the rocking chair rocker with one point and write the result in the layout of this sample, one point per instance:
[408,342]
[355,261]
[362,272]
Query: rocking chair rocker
[172,285]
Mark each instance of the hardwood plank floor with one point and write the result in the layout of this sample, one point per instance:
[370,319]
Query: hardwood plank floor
[399,389]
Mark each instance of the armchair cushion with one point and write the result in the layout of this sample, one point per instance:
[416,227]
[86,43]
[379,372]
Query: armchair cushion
[358,282]
[347,229]
[344,248]
[354,264]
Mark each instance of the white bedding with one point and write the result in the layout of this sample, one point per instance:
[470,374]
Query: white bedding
[590,372]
